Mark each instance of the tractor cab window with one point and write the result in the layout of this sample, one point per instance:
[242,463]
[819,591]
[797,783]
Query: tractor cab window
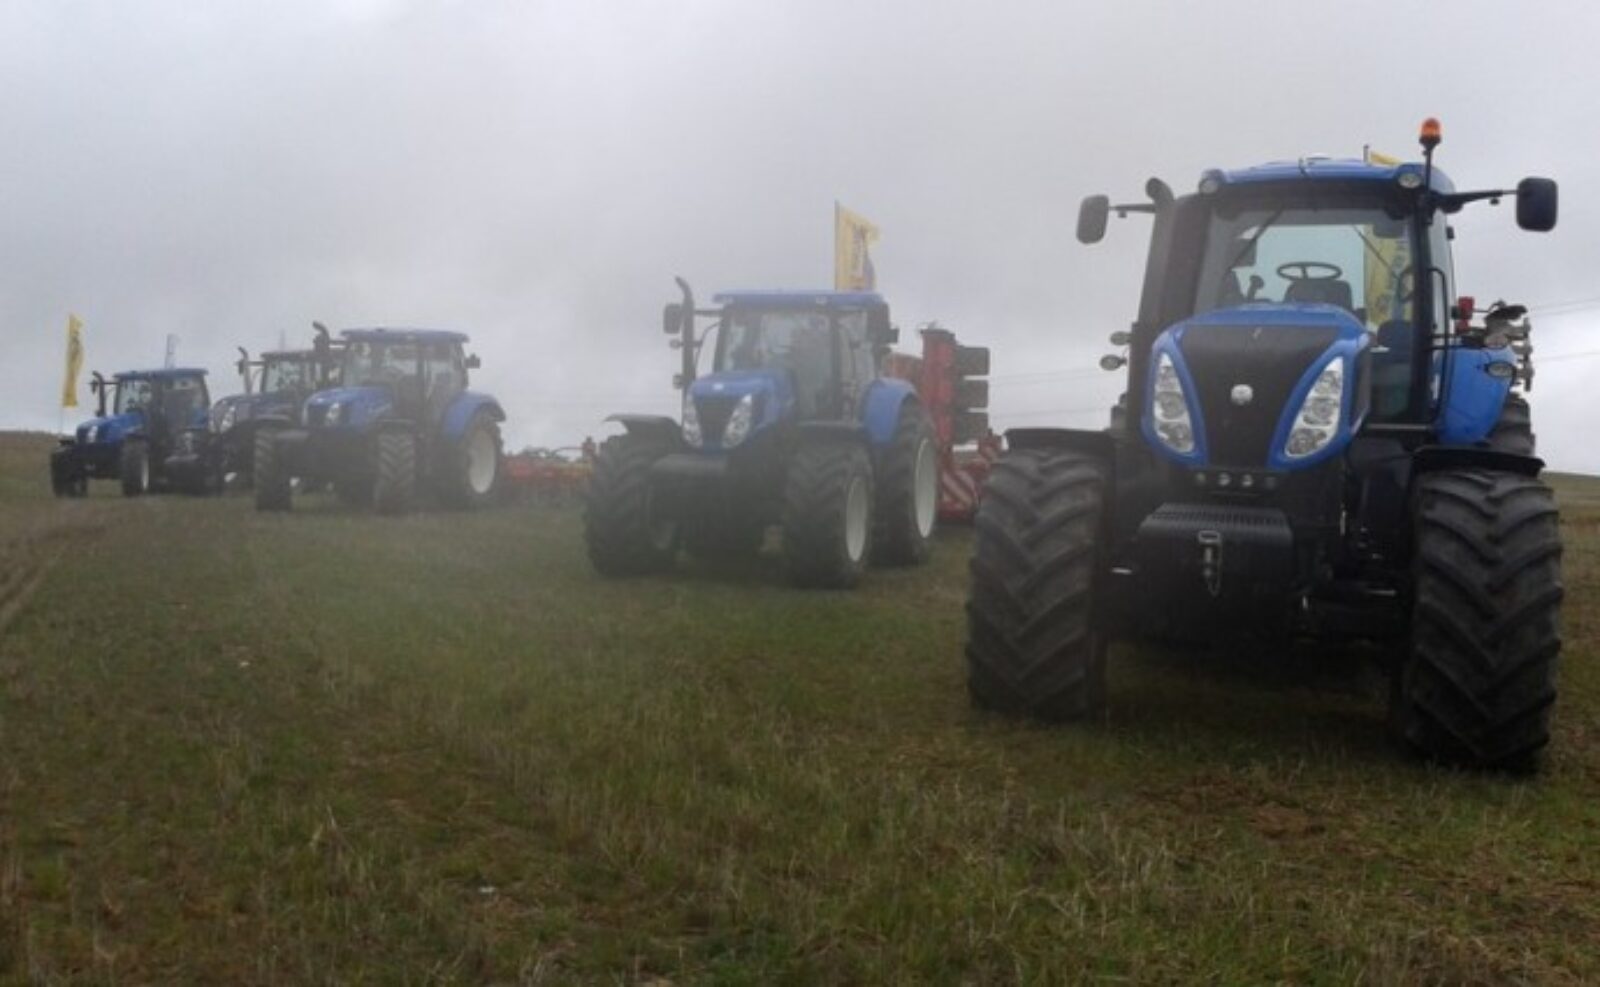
[860,363]
[181,397]
[133,395]
[444,368]
[799,342]
[285,375]
[1358,259]
[369,363]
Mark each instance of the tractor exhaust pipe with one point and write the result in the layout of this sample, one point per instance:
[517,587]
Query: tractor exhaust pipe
[244,367]
[97,384]
[686,341]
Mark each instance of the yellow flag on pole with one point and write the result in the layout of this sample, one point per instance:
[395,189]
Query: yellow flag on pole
[853,235]
[69,389]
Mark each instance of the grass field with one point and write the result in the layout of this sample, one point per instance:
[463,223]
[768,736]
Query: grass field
[329,747]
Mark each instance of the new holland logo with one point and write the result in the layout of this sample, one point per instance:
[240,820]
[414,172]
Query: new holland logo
[1242,394]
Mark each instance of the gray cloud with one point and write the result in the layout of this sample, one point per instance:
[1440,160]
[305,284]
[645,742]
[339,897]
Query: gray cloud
[535,173]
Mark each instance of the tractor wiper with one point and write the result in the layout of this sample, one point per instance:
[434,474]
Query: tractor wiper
[1250,245]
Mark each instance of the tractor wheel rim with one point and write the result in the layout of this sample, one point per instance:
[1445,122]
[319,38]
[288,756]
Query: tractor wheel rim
[481,462]
[144,473]
[855,519]
[925,487]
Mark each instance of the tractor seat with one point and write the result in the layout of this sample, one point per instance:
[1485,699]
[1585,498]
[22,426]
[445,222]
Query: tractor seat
[1327,291]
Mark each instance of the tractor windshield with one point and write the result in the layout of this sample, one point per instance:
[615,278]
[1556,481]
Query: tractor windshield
[133,395]
[285,375]
[797,341]
[367,363]
[1358,259]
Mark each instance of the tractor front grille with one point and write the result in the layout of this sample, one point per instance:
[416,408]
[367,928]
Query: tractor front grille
[1271,360]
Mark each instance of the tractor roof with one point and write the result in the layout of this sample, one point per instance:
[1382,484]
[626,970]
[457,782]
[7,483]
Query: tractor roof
[165,373]
[1320,169]
[403,336]
[781,298]
[289,355]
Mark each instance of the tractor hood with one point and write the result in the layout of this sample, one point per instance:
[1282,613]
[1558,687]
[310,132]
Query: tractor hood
[716,396]
[239,408]
[1241,379]
[111,428]
[348,407]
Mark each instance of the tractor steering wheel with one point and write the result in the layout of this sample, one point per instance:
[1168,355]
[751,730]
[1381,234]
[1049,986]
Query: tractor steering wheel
[1305,267]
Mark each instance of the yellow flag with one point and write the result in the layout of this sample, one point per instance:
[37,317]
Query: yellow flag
[852,263]
[69,389]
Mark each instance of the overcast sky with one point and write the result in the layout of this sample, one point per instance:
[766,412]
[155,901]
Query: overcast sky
[535,173]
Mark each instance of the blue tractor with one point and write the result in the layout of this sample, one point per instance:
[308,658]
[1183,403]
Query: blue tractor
[221,454]
[150,410]
[794,425]
[1316,441]
[400,424]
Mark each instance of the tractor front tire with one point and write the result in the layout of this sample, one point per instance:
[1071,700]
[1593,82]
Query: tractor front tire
[1032,644]
[473,480]
[1479,681]
[1513,432]
[134,468]
[394,483]
[908,492]
[620,528]
[827,514]
[272,488]
[66,480]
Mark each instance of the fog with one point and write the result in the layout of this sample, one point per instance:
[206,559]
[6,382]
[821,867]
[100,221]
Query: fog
[534,174]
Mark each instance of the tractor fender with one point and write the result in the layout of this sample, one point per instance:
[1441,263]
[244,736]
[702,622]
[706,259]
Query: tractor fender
[1431,459]
[659,427]
[880,410]
[462,410]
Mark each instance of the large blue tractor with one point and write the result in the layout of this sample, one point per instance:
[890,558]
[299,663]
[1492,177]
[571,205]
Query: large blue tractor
[150,410]
[221,454]
[401,423]
[1316,441]
[794,426]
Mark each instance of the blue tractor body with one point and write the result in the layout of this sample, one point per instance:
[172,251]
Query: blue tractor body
[794,398]
[1316,440]
[131,440]
[401,421]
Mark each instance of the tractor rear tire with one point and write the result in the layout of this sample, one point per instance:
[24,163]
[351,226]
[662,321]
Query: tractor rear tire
[827,514]
[623,535]
[272,488]
[1514,431]
[908,492]
[394,483]
[134,468]
[1479,681]
[474,467]
[1033,647]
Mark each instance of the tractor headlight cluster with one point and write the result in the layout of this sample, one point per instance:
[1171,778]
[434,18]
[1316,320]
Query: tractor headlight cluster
[1317,421]
[332,416]
[92,434]
[229,414]
[1169,408]
[739,422]
[691,422]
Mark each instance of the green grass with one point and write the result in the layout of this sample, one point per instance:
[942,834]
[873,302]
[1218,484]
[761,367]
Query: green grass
[333,748]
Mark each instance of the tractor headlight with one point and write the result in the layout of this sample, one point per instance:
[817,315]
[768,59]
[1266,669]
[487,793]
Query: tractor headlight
[228,415]
[92,434]
[1317,420]
[738,427]
[1169,408]
[691,421]
[332,415]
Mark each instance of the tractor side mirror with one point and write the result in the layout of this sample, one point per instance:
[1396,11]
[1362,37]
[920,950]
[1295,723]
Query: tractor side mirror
[672,319]
[1536,204]
[1092,216]
[472,361]
[878,328]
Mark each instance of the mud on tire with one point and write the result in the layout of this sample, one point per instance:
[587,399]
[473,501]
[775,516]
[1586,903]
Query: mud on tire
[623,536]
[1477,686]
[1032,645]
[908,492]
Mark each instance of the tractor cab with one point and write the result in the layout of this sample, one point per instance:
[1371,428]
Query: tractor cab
[780,357]
[411,374]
